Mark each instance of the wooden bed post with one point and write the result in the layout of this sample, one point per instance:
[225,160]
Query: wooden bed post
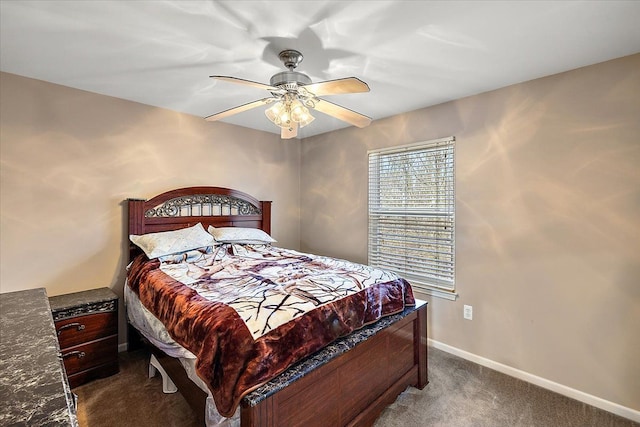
[421,347]
[266,216]
[136,216]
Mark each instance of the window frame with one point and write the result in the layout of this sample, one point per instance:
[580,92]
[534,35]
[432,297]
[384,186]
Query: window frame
[431,210]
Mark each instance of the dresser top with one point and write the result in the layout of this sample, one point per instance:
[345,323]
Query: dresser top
[33,384]
[80,299]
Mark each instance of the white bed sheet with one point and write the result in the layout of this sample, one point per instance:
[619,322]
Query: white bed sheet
[153,330]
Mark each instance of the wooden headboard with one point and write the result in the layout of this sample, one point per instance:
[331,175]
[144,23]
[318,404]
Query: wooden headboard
[185,207]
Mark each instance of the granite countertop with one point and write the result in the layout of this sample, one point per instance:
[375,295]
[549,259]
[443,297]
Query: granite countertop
[324,356]
[33,385]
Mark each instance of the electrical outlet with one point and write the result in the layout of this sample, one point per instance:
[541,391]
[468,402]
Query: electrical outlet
[468,312]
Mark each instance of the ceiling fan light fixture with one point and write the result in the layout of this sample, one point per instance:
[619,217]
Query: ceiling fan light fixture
[289,109]
[300,114]
[277,113]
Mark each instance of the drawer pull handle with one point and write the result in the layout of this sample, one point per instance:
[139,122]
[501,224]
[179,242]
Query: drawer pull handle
[78,354]
[78,326]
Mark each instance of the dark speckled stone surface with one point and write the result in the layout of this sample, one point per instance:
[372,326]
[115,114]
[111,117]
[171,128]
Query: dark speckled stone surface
[34,390]
[84,302]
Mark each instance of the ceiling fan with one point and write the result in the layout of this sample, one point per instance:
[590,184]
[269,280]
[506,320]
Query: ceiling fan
[293,93]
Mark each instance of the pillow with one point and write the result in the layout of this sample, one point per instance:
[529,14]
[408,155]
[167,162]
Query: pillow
[170,242]
[249,236]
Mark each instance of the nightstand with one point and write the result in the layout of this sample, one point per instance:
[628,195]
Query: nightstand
[87,327]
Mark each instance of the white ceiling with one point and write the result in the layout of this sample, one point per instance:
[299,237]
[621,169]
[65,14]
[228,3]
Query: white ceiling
[412,54]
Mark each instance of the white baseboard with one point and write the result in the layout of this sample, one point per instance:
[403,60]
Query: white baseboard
[589,399]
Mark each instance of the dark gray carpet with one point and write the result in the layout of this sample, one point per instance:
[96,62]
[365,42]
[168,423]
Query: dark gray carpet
[459,394]
[130,398]
[462,394]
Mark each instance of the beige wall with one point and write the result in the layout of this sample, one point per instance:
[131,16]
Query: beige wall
[547,214]
[70,158]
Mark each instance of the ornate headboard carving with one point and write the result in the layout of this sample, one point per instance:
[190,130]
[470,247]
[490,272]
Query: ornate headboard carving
[205,205]
[184,207]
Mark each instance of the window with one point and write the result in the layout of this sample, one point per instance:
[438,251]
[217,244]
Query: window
[412,214]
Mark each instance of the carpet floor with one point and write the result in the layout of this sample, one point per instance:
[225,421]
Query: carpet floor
[459,394]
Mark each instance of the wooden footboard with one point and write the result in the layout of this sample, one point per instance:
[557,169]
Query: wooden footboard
[354,388]
[350,390]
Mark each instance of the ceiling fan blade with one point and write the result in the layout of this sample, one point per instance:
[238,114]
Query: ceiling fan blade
[245,82]
[338,86]
[342,113]
[291,132]
[239,109]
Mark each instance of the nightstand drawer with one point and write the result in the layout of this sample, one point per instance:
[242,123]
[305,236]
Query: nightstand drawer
[86,356]
[82,329]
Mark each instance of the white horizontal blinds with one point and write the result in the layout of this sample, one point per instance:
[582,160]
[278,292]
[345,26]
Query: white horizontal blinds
[412,212]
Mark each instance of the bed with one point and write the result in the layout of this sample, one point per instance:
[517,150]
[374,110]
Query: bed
[349,380]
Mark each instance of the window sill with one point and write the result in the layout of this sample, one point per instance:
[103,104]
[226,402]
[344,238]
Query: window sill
[448,295]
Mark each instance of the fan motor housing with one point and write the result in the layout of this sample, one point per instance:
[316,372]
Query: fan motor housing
[290,80]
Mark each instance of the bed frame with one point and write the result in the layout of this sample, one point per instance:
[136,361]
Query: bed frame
[350,390]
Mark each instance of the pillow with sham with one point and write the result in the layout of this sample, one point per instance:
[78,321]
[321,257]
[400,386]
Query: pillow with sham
[170,242]
[248,236]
